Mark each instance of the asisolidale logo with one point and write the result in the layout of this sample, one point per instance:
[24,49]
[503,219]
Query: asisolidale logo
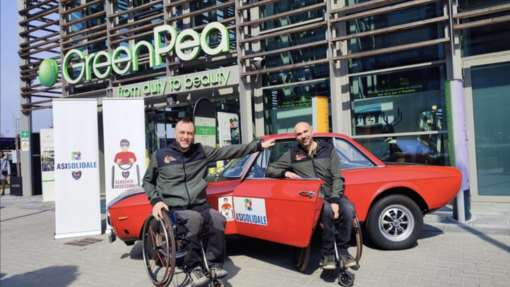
[101,64]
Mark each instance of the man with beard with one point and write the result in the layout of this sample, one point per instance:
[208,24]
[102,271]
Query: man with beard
[176,181]
[319,159]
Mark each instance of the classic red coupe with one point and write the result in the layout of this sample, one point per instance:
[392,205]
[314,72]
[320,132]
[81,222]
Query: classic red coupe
[390,200]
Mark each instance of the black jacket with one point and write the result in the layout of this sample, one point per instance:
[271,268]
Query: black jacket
[179,179]
[324,163]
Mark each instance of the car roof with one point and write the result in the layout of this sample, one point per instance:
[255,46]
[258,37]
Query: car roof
[369,154]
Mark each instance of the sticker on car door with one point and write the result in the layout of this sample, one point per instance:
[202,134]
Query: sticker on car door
[250,210]
[226,208]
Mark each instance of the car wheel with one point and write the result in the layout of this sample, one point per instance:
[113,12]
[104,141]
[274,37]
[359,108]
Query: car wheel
[394,222]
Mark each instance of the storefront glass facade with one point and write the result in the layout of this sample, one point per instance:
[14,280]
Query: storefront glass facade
[381,65]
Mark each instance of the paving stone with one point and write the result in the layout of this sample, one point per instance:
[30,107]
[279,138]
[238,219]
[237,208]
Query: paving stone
[448,254]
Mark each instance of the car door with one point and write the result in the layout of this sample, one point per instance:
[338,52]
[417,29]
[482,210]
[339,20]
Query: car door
[278,210]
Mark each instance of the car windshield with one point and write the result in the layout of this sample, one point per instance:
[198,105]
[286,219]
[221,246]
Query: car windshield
[235,167]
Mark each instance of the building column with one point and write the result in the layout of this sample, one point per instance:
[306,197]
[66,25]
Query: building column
[25,118]
[245,83]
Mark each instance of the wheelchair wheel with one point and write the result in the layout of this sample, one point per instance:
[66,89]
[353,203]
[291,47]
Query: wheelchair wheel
[346,279]
[159,249]
[356,228]
[300,257]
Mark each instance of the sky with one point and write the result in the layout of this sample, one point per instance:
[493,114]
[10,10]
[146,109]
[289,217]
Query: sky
[9,74]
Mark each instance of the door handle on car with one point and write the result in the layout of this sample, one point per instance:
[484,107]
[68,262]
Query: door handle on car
[307,193]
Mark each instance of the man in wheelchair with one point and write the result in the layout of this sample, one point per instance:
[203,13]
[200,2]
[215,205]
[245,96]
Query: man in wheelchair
[319,159]
[176,181]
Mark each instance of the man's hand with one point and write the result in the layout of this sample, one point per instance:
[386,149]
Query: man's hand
[335,208]
[291,175]
[268,143]
[156,210]
[118,161]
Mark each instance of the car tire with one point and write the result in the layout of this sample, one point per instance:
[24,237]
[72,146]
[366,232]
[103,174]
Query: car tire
[394,222]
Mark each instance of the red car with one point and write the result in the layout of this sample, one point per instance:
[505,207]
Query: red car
[390,200]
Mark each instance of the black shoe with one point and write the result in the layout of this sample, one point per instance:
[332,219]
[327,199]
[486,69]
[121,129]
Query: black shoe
[198,277]
[329,262]
[219,272]
[348,260]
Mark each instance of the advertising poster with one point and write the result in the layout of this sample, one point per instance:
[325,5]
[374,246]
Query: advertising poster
[124,145]
[229,132]
[47,164]
[205,131]
[77,188]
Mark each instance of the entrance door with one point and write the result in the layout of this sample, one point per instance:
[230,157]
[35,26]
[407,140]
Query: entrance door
[278,210]
[488,99]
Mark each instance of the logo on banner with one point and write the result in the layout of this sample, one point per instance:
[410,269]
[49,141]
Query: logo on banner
[75,155]
[254,210]
[124,161]
[77,174]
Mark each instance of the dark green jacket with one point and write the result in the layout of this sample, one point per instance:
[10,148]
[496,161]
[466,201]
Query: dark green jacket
[179,179]
[324,163]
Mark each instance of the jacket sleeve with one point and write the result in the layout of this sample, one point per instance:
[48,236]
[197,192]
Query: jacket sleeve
[150,181]
[231,151]
[338,179]
[278,168]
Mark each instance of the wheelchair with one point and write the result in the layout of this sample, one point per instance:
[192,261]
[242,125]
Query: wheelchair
[301,256]
[164,246]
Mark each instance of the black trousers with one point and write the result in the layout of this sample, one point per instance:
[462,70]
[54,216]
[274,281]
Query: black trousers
[344,225]
[194,221]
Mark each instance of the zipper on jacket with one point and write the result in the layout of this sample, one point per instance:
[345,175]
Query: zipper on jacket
[185,181]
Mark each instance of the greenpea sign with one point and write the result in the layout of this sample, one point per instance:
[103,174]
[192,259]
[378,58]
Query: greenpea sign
[103,63]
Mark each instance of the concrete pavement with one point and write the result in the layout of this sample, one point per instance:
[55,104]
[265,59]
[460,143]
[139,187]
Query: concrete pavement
[448,254]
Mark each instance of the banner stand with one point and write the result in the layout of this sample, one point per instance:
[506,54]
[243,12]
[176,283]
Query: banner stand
[76,142]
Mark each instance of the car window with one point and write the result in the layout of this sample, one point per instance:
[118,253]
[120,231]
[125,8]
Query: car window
[258,169]
[351,157]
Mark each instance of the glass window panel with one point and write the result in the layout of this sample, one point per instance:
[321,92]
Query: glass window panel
[285,6]
[485,39]
[284,107]
[491,100]
[408,100]
[470,5]
[396,59]
[423,149]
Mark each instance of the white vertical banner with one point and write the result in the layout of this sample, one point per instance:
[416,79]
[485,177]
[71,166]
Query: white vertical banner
[47,164]
[77,192]
[124,145]
[228,128]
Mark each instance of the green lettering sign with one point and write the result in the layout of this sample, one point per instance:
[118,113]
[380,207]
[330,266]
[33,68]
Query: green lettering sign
[102,63]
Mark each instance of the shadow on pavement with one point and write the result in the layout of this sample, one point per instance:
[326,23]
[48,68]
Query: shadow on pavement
[57,276]
[430,231]
[487,238]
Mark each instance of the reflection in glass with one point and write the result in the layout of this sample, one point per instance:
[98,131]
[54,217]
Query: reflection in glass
[491,100]
[423,149]
[410,100]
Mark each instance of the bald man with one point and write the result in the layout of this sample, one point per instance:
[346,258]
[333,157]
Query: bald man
[319,159]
